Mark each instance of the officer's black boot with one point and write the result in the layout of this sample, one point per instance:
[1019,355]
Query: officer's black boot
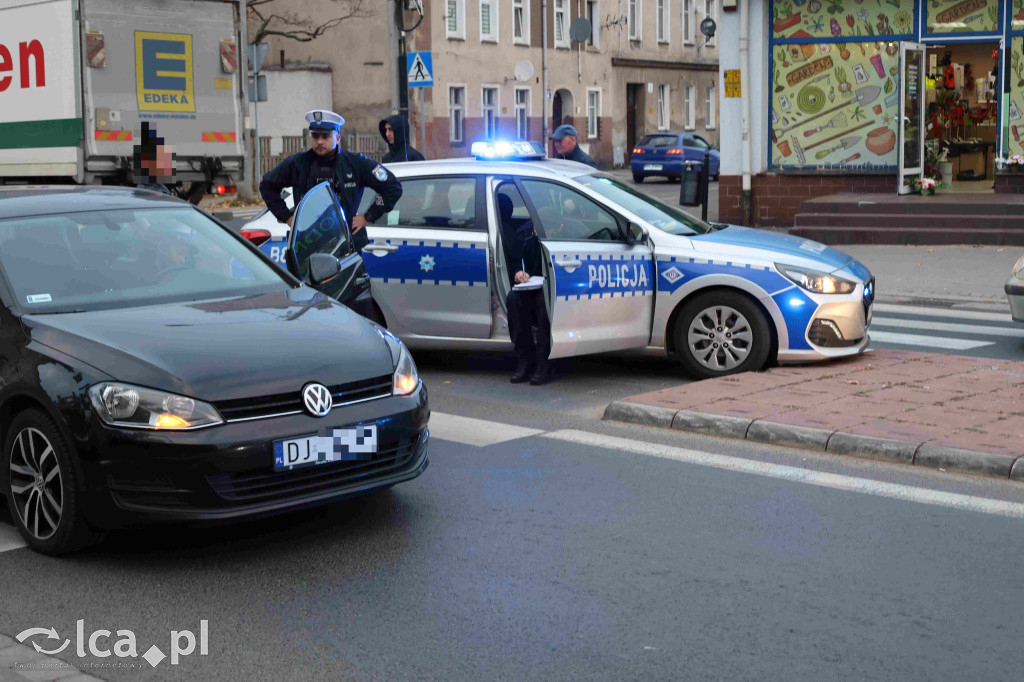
[541,375]
[522,372]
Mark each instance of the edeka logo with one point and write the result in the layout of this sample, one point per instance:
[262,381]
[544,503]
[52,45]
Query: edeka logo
[100,643]
[163,72]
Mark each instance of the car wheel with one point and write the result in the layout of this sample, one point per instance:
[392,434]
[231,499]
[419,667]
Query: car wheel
[720,333]
[638,178]
[41,486]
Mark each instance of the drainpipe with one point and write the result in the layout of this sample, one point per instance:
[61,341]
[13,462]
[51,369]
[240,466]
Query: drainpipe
[544,65]
[745,103]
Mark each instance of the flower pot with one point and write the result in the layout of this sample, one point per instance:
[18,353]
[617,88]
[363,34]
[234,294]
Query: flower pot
[881,141]
[946,168]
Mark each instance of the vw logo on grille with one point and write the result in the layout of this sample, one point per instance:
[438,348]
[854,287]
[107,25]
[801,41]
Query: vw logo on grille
[317,399]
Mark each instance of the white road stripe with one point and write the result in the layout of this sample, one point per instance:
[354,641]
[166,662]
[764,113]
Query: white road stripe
[941,312]
[826,480]
[942,342]
[477,432]
[9,538]
[977,330]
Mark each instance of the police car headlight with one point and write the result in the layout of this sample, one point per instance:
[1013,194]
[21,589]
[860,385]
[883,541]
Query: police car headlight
[406,377]
[817,282]
[1018,269]
[144,408]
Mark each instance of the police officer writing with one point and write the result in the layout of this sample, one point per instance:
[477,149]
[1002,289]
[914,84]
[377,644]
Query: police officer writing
[525,306]
[564,138]
[348,173]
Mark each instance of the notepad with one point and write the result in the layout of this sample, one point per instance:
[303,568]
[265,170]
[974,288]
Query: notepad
[535,282]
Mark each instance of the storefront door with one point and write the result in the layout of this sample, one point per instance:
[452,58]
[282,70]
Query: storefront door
[911,115]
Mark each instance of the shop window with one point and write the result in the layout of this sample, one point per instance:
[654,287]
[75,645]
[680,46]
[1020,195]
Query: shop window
[835,105]
[845,19]
[962,16]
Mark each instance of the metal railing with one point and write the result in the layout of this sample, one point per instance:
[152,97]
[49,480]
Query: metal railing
[368,144]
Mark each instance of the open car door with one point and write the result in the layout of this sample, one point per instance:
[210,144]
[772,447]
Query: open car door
[321,253]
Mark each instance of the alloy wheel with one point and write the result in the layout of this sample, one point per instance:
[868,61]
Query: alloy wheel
[36,483]
[720,338]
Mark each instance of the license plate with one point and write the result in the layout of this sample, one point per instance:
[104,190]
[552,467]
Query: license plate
[333,445]
[652,166]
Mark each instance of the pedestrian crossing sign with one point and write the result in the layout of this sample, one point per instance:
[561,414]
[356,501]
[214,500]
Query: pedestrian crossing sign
[421,69]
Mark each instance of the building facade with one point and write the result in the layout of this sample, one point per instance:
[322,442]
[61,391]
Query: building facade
[646,67]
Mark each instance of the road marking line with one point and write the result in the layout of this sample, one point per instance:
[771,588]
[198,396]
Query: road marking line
[477,432]
[976,330]
[9,538]
[941,312]
[943,342]
[825,480]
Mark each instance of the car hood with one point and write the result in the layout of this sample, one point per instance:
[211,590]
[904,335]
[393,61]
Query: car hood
[827,258]
[223,349]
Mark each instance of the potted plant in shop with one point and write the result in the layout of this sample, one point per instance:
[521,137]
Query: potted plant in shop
[1013,164]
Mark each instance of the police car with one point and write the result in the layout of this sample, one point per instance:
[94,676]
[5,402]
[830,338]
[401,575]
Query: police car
[623,270]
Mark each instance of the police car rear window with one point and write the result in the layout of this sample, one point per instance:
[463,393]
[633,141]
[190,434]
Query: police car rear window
[440,203]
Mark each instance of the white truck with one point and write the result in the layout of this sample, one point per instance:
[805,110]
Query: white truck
[79,77]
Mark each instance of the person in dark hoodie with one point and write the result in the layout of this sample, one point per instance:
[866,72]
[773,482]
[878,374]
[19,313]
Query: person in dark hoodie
[395,131]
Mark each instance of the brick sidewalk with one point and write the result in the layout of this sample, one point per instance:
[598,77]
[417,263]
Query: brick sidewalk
[934,409]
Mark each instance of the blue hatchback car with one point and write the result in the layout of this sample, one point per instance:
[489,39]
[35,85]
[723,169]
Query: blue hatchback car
[666,153]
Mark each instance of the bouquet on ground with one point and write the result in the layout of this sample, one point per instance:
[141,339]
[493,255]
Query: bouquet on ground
[924,186]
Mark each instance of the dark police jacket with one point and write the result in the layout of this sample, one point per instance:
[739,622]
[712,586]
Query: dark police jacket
[351,173]
[522,251]
[579,155]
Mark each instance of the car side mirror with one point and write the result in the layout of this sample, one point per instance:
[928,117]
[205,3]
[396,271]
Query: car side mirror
[323,267]
[635,234]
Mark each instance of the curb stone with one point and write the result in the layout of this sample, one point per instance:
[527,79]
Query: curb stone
[835,442]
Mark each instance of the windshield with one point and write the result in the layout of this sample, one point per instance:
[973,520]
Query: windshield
[122,258]
[662,216]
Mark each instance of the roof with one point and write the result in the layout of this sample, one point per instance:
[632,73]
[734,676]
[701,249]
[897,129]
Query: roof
[31,200]
[539,168]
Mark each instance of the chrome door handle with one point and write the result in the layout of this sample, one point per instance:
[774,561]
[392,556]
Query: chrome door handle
[568,263]
[388,248]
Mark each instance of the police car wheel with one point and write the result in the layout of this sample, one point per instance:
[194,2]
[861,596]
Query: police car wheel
[720,333]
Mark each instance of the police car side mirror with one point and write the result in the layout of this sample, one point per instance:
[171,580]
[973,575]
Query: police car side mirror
[635,234]
[323,267]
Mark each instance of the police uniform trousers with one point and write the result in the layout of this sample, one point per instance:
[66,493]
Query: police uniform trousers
[526,311]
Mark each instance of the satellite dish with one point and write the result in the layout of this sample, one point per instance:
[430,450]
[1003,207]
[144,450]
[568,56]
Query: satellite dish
[523,71]
[579,30]
[708,27]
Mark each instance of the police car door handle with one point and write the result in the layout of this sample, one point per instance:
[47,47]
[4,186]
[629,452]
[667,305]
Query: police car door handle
[569,265]
[387,248]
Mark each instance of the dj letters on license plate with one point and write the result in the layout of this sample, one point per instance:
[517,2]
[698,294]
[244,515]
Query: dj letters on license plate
[652,166]
[334,445]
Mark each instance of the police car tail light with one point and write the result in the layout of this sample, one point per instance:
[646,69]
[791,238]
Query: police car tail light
[406,377]
[144,408]
[257,237]
[507,150]
[816,282]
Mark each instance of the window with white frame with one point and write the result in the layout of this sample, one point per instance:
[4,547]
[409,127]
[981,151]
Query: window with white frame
[455,20]
[664,104]
[634,16]
[488,21]
[489,101]
[522,107]
[710,13]
[690,106]
[593,112]
[521,22]
[661,21]
[456,113]
[688,21]
[593,15]
[561,23]
[709,107]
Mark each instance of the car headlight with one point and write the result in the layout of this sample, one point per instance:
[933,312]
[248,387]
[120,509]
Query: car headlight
[144,408]
[1018,269]
[406,377]
[817,282]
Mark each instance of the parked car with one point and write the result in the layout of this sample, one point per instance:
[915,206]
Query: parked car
[665,154]
[1014,289]
[157,366]
[623,270]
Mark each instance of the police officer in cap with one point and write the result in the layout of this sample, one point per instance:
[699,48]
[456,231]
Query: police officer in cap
[566,147]
[348,173]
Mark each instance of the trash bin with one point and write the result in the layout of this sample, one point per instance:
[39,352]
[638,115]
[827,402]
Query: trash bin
[690,191]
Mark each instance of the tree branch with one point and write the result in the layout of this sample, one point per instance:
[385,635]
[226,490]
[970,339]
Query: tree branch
[297,27]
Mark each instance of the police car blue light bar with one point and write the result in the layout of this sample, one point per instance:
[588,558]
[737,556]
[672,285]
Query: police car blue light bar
[501,149]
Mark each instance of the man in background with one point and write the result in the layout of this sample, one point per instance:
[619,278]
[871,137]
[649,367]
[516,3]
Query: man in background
[395,131]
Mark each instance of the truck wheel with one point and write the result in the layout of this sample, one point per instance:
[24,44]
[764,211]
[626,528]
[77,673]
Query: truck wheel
[40,483]
[720,333]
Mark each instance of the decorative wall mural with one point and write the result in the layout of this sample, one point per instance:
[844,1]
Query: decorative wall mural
[962,16]
[1015,112]
[842,18]
[1017,15]
[835,106]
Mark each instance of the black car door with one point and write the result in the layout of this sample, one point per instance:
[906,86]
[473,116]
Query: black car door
[319,227]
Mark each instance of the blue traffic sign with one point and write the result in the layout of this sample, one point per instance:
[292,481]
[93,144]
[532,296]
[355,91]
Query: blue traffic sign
[420,69]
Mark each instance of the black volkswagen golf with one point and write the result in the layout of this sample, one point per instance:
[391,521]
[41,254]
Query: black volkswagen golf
[154,366]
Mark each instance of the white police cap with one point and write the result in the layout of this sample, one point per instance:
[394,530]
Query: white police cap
[321,119]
